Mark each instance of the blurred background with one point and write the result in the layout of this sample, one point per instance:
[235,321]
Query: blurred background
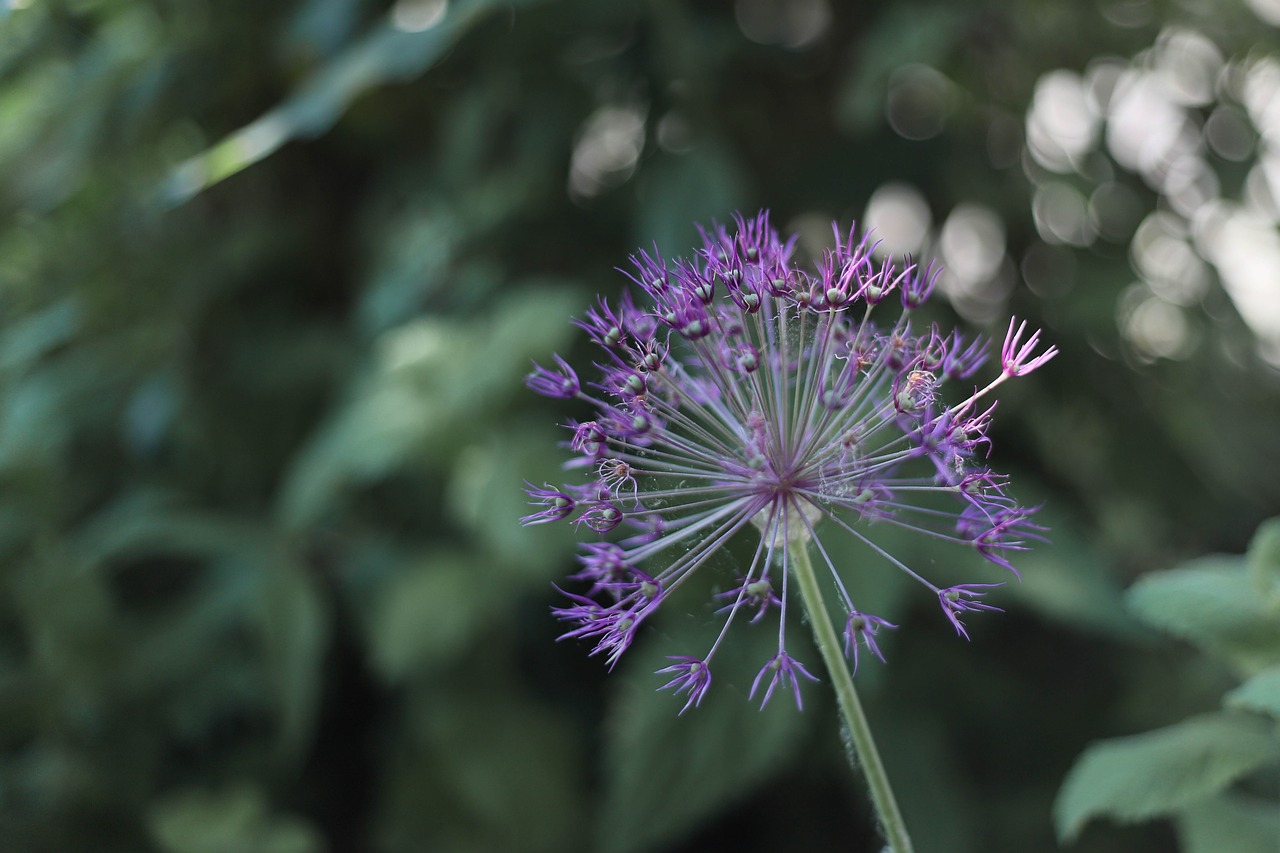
[271,275]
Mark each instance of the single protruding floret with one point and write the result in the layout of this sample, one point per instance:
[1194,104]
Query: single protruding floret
[1016,360]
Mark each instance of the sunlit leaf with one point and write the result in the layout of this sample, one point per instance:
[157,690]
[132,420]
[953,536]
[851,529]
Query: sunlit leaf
[390,52]
[1157,773]
[1229,824]
[1213,603]
[1260,693]
[1264,559]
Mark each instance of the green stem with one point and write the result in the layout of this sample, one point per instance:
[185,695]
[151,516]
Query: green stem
[864,746]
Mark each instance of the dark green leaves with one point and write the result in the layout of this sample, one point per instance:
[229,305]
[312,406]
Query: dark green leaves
[261,581]
[667,772]
[235,819]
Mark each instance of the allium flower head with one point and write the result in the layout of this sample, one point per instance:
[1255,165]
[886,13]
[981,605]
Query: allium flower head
[739,393]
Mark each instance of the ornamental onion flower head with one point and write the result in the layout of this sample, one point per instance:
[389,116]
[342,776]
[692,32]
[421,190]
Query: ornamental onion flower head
[738,393]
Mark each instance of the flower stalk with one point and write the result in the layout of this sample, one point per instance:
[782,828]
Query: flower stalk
[864,757]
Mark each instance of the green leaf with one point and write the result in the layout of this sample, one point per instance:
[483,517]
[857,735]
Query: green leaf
[388,53]
[434,381]
[293,622]
[1212,603]
[27,339]
[236,819]
[668,771]
[428,613]
[483,765]
[1230,825]
[235,576]
[486,497]
[919,752]
[1264,558]
[1156,773]
[1260,693]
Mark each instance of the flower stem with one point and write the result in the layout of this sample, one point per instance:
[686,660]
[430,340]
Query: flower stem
[864,746]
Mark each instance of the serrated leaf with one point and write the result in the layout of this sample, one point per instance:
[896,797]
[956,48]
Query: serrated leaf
[1230,825]
[1212,603]
[1157,773]
[666,772]
[1264,558]
[1260,693]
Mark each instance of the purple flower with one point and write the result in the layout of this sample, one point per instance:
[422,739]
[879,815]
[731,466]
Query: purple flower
[691,676]
[962,361]
[1016,360]
[601,516]
[863,626]
[919,287]
[740,393]
[782,669]
[957,599]
[551,383]
[613,627]
[756,595]
[555,504]
[604,564]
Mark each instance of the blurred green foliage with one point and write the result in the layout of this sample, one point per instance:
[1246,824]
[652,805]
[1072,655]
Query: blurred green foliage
[270,275]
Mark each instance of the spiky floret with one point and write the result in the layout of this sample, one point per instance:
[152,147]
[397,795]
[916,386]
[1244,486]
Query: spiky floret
[745,392]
